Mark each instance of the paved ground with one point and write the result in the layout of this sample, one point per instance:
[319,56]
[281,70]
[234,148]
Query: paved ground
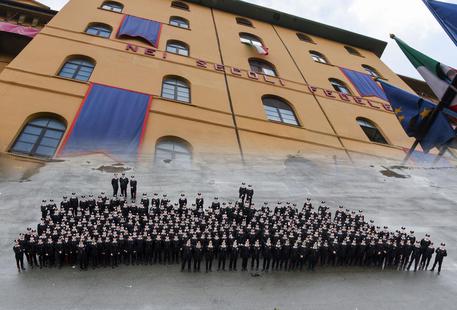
[422,199]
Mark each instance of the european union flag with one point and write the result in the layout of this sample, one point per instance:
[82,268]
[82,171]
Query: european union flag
[413,111]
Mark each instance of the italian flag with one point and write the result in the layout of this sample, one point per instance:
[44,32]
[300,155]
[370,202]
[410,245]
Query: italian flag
[437,75]
[262,50]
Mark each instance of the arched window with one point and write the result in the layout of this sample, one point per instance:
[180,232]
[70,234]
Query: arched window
[113,6]
[371,71]
[78,68]
[279,110]
[179,22]
[40,137]
[318,57]
[179,5]
[244,22]
[303,37]
[340,86]
[173,150]
[250,39]
[175,88]
[178,47]
[262,67]
[352,51]
[370,129]
[99,30]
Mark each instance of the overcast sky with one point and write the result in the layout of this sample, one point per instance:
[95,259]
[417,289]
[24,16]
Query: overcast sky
[408,19]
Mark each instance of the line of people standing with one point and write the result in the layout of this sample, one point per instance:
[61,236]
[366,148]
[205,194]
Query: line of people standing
[110,231]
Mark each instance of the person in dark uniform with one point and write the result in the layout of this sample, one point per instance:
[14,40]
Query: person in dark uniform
[415,256]
[133,185]
[441,253]
[198,254]
[426,256]
[255,255]
[59,252]
[266,255]
[249,194]
[245,253]
[242,192]
[222,254]
[312,259]
[19,255]
[199,201]
[93,253]
[123,182]
[276,256]
[233,255]
[209,256]
[186,256]
[115,184]
[82,256]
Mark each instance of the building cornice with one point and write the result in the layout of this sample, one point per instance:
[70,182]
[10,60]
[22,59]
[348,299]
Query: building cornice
[29,7]
[296,23]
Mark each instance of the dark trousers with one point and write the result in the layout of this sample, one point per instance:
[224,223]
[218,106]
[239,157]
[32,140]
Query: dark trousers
[124,191]
[20,262]
[59,259]
[158,256]
[133,193]
[197,263]
[416,262]
[275,264]
[439,262]
[232,263]
[425,261]
[312,263]
[244,264]
[186,260]
[266,264]
[209,264]
[255,259]
[221,262]
[115,190]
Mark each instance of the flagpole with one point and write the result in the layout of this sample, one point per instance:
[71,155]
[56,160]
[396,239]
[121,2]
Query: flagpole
[443,150]
[447,99]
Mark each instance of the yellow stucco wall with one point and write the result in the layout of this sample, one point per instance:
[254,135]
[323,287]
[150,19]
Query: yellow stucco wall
[30,84]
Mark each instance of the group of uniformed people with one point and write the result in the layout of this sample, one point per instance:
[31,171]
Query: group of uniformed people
[111,231]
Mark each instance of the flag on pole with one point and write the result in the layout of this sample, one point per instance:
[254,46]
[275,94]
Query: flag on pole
[437,75]
[262,50]
[446,14]
[413,111]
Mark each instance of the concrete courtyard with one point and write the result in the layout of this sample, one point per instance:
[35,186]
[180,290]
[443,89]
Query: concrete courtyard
[423,199]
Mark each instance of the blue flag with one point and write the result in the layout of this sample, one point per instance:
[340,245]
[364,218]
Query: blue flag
[110,121]
[412,112]
[446,14]
[146,29]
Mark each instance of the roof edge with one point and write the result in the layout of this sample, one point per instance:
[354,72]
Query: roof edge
[296,23]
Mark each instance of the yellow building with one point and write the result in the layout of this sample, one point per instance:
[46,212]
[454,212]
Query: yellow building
[213,89]
[20,20]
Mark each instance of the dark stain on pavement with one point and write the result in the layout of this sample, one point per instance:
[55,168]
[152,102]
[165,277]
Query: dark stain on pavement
[115,168]
[392,174]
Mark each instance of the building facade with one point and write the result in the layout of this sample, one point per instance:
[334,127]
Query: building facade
[224,77]
[20,21]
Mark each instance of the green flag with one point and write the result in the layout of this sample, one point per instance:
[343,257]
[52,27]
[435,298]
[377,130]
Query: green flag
[437,75]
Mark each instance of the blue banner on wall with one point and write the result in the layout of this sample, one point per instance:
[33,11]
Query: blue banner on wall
[146,29]
[111,121]
[364,84]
